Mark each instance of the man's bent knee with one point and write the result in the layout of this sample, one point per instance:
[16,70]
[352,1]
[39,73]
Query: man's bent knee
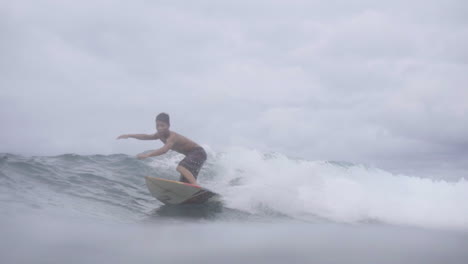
[181,169]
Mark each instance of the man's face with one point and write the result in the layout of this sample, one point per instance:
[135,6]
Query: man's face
[162,127]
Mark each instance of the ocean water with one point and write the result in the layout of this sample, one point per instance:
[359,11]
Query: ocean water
[275,209]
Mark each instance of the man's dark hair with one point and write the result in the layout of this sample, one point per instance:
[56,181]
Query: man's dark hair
[163,117]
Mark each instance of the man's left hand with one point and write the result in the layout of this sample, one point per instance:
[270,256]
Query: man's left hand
[142,156]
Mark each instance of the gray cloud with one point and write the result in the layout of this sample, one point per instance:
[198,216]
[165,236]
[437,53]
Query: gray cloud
[382,83]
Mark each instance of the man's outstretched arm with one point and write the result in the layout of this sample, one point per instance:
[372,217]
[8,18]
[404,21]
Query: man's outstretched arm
[157,152]
[140,136]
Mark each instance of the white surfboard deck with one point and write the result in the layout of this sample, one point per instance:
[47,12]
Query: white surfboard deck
[175,192]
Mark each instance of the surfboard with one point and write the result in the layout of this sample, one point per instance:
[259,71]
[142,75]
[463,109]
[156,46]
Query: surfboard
[175,192]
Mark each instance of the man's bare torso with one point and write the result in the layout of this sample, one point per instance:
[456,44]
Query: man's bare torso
[182,144]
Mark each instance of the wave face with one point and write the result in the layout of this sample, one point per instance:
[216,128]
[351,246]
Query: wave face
[265,185]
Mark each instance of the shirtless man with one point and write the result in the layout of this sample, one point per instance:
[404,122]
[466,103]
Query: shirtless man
[195,155]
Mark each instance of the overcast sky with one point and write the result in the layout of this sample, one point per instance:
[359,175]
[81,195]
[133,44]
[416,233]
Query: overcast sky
[383,83]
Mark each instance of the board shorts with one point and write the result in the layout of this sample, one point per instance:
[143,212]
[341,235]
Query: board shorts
[193,162]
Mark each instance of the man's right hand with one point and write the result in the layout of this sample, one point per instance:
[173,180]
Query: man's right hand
[123,136]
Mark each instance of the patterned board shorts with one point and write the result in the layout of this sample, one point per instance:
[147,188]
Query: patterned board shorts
[193,162]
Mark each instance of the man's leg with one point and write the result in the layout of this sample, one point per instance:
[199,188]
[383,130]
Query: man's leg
[187,174]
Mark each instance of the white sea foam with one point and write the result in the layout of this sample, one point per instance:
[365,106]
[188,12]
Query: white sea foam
[252,181]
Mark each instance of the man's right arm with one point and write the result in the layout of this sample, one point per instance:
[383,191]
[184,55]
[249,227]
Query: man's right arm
[140,136]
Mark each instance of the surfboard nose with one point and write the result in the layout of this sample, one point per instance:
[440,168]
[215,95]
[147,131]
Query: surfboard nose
[175,192]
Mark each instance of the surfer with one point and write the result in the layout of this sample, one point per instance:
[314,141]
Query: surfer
[195,155]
